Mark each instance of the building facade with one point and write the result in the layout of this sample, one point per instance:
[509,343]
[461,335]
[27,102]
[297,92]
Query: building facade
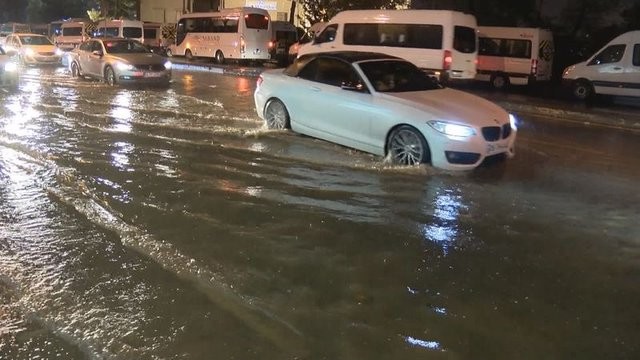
[168,11]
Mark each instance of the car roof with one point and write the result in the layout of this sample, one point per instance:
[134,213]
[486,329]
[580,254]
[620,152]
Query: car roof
[27,34]
[353,56]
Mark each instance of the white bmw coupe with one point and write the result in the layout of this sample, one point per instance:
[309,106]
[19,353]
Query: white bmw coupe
[386,106]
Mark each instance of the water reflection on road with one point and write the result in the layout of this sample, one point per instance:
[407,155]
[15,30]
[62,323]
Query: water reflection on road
[168,223]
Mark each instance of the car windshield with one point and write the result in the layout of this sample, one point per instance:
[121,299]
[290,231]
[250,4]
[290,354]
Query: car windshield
[34,40]
[125,47]
[397,76]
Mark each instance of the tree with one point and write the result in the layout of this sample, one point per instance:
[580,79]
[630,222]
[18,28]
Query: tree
[323,10]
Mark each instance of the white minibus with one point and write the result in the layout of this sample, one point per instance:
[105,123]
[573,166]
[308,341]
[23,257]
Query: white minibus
[441,42]
[512,55]
[130,29]
[72,33]
[237,33]
[613,70]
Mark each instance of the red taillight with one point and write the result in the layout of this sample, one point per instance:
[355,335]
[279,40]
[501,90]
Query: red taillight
[242,44]
[260,79]
[447,60]
[534,66]
[271,44]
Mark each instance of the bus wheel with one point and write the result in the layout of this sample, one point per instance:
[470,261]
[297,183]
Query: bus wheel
[188,54]
[499,81]
[219,57]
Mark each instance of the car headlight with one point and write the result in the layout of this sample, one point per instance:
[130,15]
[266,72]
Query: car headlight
[167,65]
[59,52]
[124,66]
[451,129]
[29,52]
[513,121]
[10,67]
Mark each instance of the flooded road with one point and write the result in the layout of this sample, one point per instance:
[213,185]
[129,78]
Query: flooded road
[169,224]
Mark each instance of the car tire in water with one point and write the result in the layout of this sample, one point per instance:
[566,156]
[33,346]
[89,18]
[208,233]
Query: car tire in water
[407,146]
[582,89]
[219,57]
[75,70]
[109,76]
[276,115]
[188,54]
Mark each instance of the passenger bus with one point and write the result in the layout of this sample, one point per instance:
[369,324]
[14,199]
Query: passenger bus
[238,33]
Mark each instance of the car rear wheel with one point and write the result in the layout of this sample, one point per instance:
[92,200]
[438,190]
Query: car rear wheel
[75,70]
[109,76]
[407,146]
[188,54]
[276,115]
[219,57]
[582,89]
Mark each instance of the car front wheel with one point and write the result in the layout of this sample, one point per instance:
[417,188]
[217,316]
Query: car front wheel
[407,146]
[75,70]
[109,76]
[276,115]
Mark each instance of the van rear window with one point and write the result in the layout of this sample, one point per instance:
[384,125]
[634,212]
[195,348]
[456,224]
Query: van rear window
[464,39]
[132,32]
[72,31]
[423,36]
[256,21]
[636,55]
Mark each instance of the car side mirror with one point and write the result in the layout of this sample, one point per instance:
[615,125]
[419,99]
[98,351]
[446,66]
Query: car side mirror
[97,53]
[352,86]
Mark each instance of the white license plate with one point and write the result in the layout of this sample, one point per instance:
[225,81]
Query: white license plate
[493,149]
[153,74]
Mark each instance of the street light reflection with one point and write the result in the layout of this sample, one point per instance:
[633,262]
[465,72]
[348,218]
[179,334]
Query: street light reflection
[121,112]
[444,228]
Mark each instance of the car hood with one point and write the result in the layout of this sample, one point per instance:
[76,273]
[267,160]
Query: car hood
[40,48]
[453,105]
[148,59]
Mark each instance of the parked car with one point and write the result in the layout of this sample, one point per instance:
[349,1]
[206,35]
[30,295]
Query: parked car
[33,49]
[384,105]
[9,71]
[612,70]
[118,60]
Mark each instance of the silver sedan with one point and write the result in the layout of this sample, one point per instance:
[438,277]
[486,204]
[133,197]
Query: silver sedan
[118,60]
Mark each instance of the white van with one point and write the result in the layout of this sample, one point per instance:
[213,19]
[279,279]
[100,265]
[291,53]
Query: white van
[130,29]
[511,55]
[613,70]
[72,33]
[441,42]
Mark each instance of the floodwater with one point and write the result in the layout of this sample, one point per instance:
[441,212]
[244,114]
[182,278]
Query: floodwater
[169,224]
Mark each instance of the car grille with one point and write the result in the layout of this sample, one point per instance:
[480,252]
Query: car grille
[154,67]
[495,133]
[46,53]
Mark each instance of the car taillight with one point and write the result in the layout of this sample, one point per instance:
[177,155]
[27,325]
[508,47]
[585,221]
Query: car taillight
[260,79]
[270,44]
[534,66]
[447,60]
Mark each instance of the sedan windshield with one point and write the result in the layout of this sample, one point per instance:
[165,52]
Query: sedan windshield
[125,47]
[34,40]
[397,76]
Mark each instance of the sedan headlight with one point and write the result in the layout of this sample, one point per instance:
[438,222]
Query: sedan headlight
[513,121]
[451,129]
[168,65]
[59,52]
[10,67]
[124,66]
[29,52]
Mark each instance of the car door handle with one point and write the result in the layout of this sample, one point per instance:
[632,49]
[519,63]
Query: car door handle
[314,88]
[617,68]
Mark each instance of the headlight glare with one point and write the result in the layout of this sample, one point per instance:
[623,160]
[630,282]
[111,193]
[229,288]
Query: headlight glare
[451,129]
[29,52]
[167,65]
[59,52]
[513,121]
[124,66]
[10,67]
